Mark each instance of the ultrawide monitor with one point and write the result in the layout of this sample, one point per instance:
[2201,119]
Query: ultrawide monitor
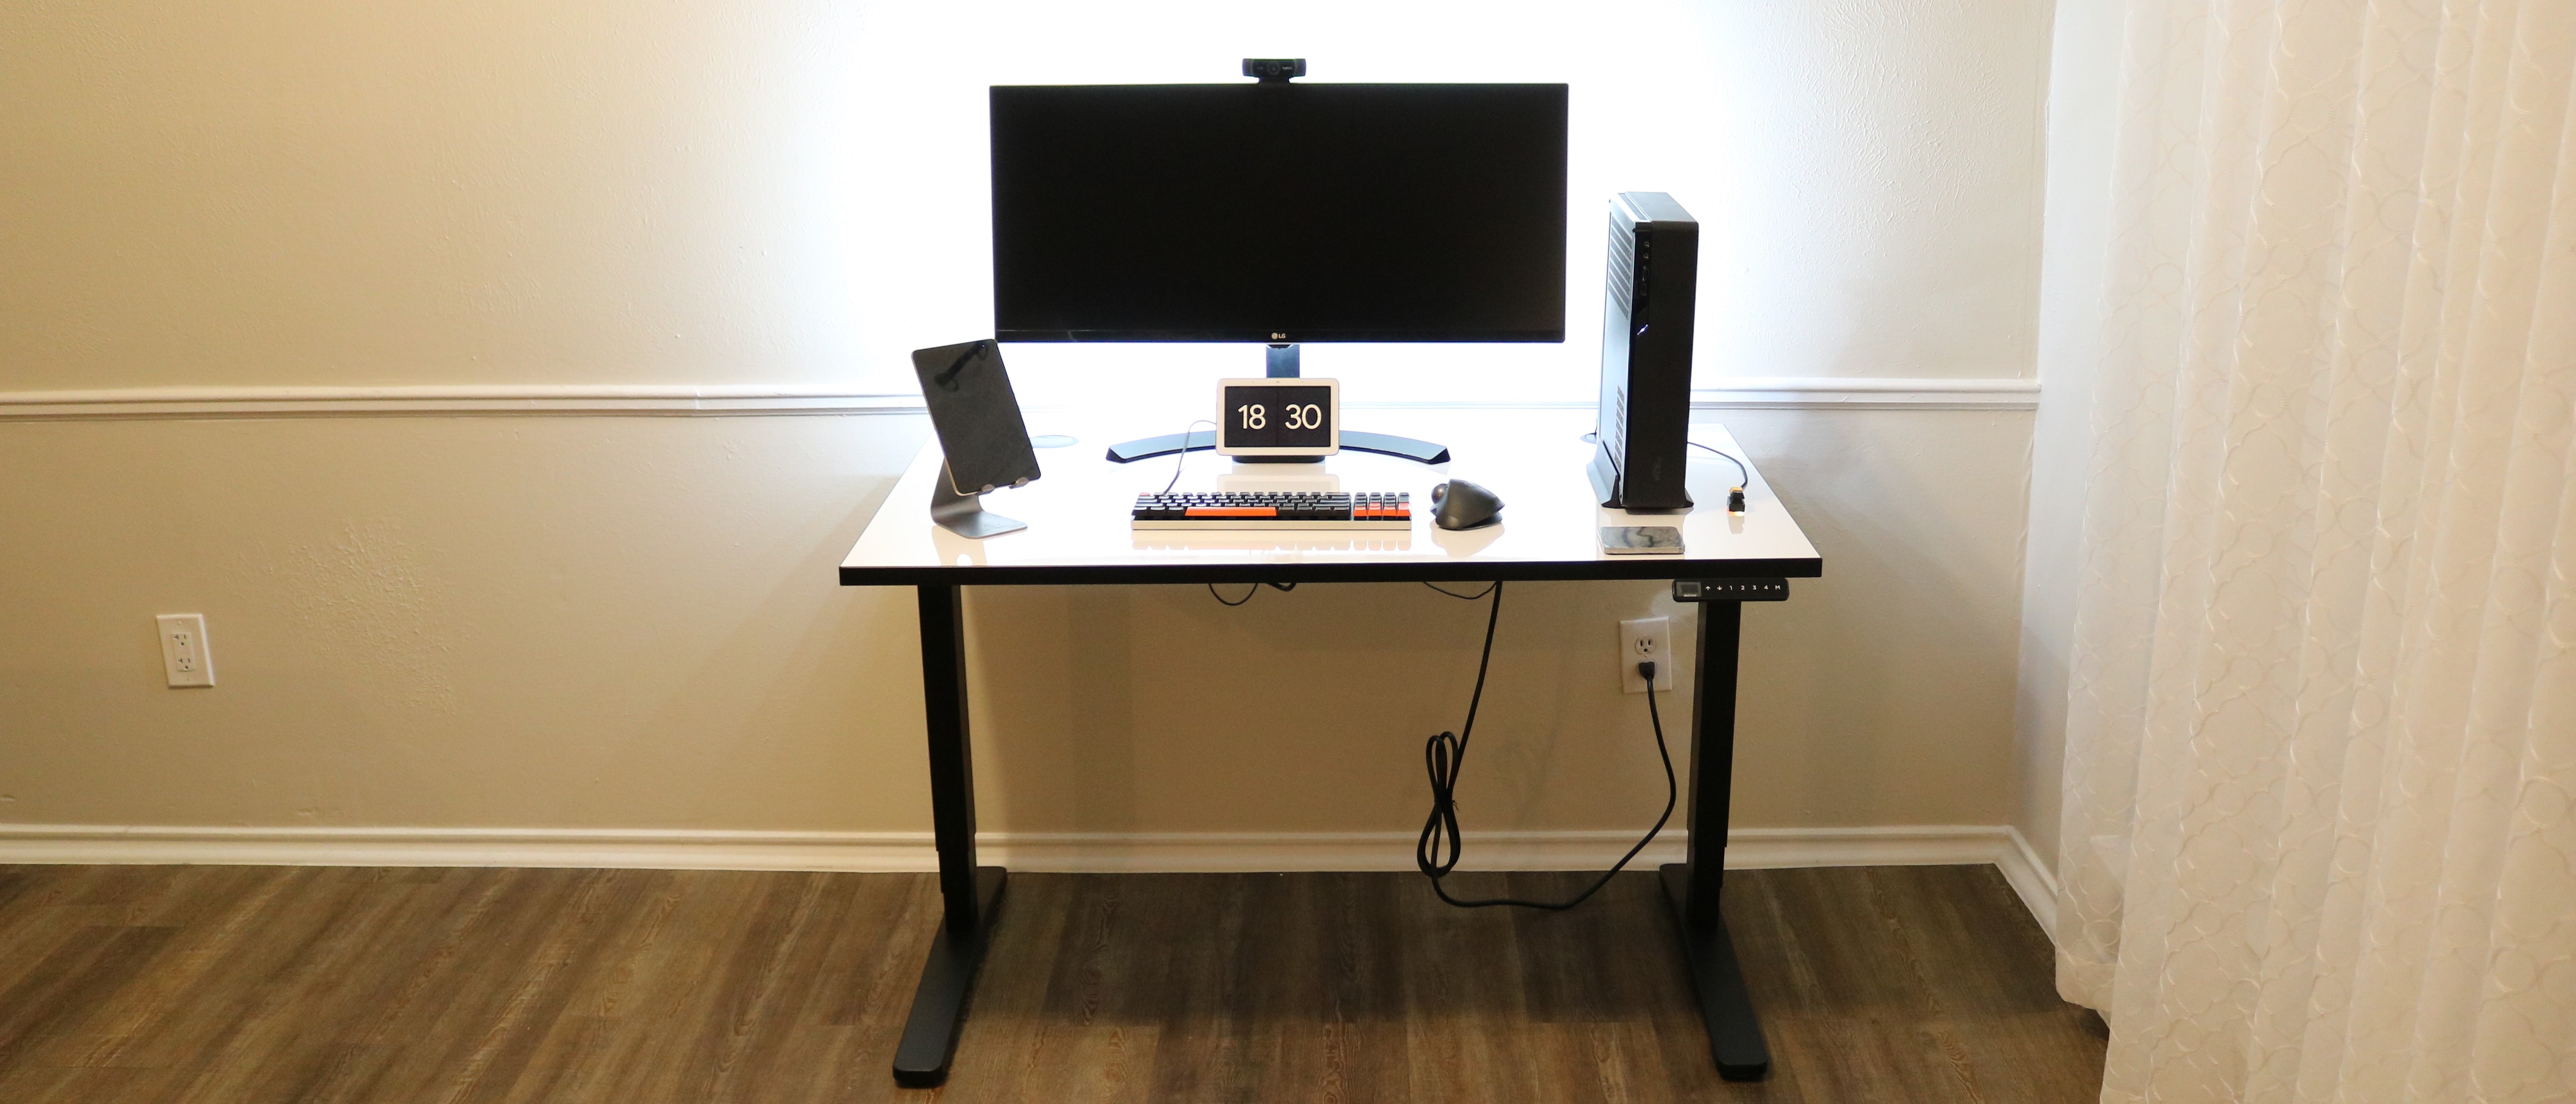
[1279,213]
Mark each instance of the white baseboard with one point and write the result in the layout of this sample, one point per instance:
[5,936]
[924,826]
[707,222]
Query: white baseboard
[647,849]
[1244,852]
[880,852]
[1909,845]
[2031,878]
[868,852]
[1747,849]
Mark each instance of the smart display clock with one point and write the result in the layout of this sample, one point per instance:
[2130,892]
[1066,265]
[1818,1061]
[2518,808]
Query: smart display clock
[1288,419]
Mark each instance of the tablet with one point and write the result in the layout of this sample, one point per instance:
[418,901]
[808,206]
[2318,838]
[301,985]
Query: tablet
[976,415]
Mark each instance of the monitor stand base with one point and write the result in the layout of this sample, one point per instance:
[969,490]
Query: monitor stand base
[963,514]
[1281,362]
[1146,448]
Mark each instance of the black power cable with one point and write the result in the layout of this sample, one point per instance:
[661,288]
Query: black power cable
[1743,477]
[1247,595]
[1445,754]
[1184,460]
[1734,497]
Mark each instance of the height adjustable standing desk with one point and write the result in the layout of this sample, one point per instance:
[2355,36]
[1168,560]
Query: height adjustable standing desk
[1077,517]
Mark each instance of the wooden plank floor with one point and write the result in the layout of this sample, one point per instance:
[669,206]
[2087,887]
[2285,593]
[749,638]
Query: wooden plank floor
[170,984]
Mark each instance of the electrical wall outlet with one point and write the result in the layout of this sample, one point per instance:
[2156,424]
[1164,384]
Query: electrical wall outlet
[183,649]
[1646,639]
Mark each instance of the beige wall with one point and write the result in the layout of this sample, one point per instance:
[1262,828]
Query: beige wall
[633,622]
[630,621]
[272,192]
[2083,107]
[286,191]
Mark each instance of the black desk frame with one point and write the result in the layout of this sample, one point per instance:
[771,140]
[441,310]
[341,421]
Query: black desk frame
[972,894]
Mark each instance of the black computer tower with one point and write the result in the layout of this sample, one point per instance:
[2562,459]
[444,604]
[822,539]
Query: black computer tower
[1646,354]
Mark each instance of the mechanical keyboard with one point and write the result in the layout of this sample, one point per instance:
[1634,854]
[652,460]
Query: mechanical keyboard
[1273,510]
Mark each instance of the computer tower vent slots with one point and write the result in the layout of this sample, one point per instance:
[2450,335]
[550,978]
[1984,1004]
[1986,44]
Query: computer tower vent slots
[1623,263]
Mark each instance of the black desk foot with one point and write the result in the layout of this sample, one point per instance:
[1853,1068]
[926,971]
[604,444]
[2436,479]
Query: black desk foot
[1734,1032]
[947,979]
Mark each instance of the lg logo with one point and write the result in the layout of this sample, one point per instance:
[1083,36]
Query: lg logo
[1279,337]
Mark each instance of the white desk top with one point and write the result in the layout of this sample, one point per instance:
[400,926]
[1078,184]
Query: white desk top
[1077,514]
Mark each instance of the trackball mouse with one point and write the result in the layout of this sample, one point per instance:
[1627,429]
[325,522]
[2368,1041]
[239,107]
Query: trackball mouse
[1458,504]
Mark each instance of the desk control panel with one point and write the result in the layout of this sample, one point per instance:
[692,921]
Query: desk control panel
[1274,510]
[1730,590]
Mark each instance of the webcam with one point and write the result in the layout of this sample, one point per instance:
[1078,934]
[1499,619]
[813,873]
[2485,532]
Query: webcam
[1274,70]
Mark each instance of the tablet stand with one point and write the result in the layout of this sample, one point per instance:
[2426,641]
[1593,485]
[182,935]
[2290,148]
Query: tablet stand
[963,514]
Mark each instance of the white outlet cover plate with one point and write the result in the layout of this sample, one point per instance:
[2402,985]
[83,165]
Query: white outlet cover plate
[1646,638]
[184,656]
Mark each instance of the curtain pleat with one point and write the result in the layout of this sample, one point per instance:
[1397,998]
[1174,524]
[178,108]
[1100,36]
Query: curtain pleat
[2320,839]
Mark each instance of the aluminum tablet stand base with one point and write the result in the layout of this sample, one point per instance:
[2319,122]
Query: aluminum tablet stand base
[963,514]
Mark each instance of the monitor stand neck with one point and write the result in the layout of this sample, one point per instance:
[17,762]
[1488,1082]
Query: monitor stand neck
[1283,365]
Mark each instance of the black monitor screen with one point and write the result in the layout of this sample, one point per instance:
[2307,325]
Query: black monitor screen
[1279,213]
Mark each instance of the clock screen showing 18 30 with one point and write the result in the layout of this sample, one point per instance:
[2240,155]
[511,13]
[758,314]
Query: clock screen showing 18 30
[1278,417]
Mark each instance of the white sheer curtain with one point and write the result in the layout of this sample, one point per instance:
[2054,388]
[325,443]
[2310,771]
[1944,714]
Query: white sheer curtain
[2321,768]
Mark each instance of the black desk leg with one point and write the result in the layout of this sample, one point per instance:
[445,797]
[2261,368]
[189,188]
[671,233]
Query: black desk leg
[970,893]
[1734,1033]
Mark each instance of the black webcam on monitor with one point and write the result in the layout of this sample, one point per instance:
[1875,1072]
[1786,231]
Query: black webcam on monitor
[1274,70]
